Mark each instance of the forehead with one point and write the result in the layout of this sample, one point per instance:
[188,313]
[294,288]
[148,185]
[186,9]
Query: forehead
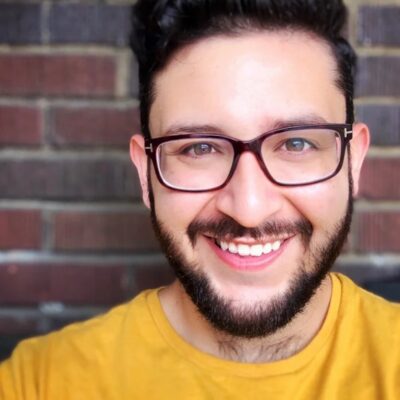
[246,83]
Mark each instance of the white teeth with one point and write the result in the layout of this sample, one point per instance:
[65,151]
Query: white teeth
[243,249]
[224,245]
[232,248]
[255,250]
[267,248]
[276,245]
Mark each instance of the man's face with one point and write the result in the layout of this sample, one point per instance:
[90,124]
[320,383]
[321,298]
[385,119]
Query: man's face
[242,87]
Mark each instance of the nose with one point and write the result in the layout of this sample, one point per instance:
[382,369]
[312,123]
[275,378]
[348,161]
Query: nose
[250,198]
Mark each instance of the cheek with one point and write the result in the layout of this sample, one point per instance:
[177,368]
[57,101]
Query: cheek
[323,204]
[176,210]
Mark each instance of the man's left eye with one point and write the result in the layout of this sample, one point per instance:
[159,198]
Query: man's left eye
[200,149]
[297,145]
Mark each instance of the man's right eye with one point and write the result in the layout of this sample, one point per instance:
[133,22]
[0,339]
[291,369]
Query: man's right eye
[198,149]
[297,145]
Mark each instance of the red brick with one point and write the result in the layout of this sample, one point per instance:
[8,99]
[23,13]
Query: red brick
[57,75]
[71,284]
[379,25]
[95,231]
[89,23]
[147,276]
[380,179]
[20,125]
[94,126]
[20,229]
[20,23]
[378,76]
[103,178]
[383,121]
[17,325]
[378,232]
[365,273]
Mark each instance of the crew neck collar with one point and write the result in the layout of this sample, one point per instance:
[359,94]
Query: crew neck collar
[210,362]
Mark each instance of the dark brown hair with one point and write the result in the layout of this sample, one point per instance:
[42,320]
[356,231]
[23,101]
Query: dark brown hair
[161,27]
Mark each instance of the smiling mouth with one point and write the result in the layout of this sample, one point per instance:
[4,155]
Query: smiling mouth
[245,249]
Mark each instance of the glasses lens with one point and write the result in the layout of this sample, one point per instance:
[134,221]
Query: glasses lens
[195,164]
[302,156]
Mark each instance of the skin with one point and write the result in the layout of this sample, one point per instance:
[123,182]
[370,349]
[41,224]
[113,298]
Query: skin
[241,87]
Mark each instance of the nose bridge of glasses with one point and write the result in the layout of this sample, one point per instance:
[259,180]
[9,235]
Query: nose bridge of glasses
[250,186]
[252,146]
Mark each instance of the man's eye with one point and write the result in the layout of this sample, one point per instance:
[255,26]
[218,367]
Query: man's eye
[297,145]
[199,149]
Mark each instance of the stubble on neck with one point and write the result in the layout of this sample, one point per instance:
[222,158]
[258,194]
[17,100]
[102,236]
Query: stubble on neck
[190,324]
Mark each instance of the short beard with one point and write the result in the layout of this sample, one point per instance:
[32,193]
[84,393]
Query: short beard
[262,318]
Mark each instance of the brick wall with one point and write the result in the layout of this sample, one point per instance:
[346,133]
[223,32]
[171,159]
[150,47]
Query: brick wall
[74,236]
[373,251]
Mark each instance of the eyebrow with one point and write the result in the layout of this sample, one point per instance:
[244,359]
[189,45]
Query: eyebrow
[178,129]
[309,119]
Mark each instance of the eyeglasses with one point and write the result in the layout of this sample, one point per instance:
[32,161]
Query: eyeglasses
[292,156]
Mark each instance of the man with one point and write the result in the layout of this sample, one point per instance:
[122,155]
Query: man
[249,162]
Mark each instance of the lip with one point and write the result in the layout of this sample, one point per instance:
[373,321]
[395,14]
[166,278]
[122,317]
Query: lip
[247,263]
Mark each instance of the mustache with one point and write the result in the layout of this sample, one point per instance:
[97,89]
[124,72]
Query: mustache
[227,227]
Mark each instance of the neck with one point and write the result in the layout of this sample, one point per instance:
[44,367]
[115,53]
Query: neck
[258,350]
[286,342]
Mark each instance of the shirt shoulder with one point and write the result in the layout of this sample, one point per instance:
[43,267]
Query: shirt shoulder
[367,301]
[85,349]
[369,317]
[100,328]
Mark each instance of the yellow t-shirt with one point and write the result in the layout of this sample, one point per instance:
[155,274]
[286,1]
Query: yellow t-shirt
[133,353]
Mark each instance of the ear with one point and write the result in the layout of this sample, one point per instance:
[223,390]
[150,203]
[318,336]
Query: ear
[359,146]
[139,158]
